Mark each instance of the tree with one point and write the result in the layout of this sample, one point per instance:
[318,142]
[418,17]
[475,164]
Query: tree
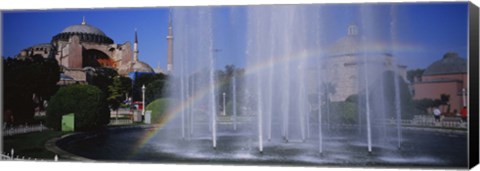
[406,103]
[384,103]
[102,78]
[224,79]
[444,99]
[125,85]
[155,90]
[118,91]
[328,90]
[144,79]
[345,112]
[28,83]
[423,105]
[415,73]
[87,102]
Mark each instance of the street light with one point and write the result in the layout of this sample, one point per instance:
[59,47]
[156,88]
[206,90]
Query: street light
[143,100]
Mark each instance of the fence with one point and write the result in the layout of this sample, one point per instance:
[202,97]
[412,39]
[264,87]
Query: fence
[120,122]
[22,129]
[417,121]
[11,156]
[429,121]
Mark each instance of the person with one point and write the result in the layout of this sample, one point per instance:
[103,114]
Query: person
[463,114]
[436,113]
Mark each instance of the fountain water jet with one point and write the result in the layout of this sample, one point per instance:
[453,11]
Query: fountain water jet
[234,97]
[393,35]
[398,109]
[213,105]
[259,115]
[183,97]
[367,106]
[320,133]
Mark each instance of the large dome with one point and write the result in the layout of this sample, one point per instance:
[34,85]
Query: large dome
[349,44]
[353,44]
[86,33]
[83,28]
[451,63]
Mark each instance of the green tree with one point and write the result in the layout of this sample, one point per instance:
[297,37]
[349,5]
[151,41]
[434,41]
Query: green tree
[125,85]
[345,112]
[155,90]
[422,105]
[389,93]
[415,73]
[118,91]
[444,99]
[28,83]
[87,102]
[144,79]
[102,78]
[224,79]
[328,90]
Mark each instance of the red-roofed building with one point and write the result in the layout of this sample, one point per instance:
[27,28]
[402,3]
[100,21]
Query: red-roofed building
[446,76]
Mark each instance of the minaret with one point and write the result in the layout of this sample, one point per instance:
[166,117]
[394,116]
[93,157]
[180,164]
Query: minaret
[84,22]
[170,44]
[135,48]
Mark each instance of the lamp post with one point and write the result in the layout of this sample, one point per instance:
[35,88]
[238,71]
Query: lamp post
[143,100]
[224,110]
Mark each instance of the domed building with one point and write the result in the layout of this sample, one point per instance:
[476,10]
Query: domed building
[445,76]
[82,46]
[344,58]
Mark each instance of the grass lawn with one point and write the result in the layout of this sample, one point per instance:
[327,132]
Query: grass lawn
[31,144]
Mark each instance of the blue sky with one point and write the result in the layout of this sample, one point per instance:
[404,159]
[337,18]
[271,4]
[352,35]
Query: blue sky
[423,31]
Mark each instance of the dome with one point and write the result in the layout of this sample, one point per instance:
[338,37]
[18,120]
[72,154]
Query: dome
[346,45]
[83,28]
[139,66]
[42,49]
[86,33]
[46,47]
[353,43]
[451,63]
[41,45]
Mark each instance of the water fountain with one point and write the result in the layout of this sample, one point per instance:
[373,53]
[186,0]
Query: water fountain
[287,98]
[278,77]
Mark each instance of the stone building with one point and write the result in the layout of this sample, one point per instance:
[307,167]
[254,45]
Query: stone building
[82,47]
[445,76]
[343,61]
[40,50]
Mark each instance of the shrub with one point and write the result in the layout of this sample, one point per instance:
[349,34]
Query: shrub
[159,109]
[343,112]
[87,102]
[229,108]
